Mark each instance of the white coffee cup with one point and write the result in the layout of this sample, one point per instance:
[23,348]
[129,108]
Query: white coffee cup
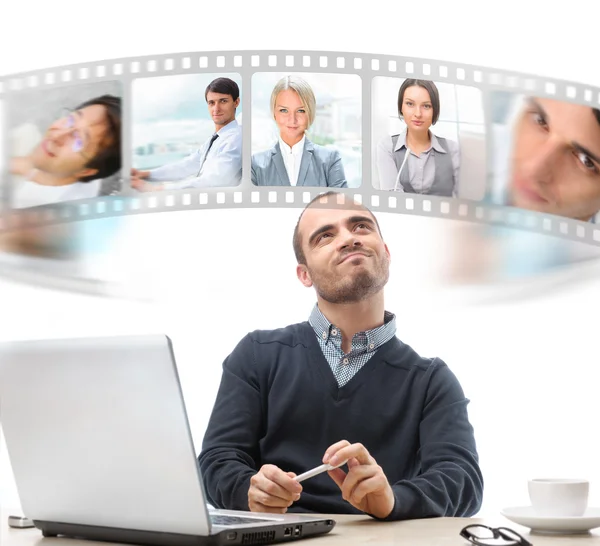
[559,497]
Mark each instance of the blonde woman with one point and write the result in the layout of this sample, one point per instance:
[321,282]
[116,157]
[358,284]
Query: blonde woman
[294,160]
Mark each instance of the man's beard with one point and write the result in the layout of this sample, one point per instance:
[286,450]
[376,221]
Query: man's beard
[353,288]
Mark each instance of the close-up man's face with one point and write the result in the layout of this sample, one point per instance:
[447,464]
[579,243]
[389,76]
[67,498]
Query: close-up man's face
[346,258]
[71,142]
[221,107]
[556,159]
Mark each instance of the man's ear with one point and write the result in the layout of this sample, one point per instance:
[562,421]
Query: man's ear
[85,172]
[303,275]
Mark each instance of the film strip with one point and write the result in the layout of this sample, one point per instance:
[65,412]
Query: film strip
[357,120]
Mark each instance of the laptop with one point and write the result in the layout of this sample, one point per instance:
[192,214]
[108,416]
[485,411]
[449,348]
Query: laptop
[101,449]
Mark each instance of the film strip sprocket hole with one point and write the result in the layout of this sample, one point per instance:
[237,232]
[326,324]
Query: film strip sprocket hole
[262,129]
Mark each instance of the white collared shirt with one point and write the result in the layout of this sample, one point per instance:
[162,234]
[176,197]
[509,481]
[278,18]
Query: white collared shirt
[222,167]
[31,194]
[292,157]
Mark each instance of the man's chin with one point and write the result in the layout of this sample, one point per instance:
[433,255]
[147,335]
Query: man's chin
[37,158]
[361,287]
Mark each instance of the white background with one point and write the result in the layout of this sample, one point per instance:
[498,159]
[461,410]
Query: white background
[528,363]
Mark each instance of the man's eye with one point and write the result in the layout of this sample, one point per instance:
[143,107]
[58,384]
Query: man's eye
[587,162]
[540,120]
[78,142]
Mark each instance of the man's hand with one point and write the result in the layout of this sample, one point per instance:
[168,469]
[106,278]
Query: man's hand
[273,490]
[20,166]
[365,486]
[141,185]
[135,173]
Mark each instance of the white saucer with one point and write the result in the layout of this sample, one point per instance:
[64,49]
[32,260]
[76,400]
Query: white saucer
[526,516]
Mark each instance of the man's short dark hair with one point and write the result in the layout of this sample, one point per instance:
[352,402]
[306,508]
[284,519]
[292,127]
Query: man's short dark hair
[107,160]
[297,239]
[597,114]
[430,87]
[225,86]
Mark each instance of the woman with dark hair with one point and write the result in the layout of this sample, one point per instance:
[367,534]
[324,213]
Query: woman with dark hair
[416,160]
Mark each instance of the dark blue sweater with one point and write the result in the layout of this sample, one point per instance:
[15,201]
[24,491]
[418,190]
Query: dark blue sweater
[279,403]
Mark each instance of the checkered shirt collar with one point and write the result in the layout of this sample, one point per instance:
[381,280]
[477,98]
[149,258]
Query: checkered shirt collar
[377,336]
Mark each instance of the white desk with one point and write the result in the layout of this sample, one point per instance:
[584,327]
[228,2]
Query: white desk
[355,530]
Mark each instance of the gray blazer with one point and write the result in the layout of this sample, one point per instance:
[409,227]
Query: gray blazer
[319,166]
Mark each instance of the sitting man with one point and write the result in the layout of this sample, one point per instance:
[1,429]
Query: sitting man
[218,162]
[340,387]
[71,159]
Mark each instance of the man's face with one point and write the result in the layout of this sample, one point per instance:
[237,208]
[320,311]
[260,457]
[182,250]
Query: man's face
[71,142]
[346,258]
[221,107]
[556,159]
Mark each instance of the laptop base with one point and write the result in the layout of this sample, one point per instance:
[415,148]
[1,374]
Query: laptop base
[266,534]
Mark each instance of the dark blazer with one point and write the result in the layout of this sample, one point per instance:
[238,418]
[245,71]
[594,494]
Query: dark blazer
[319,166]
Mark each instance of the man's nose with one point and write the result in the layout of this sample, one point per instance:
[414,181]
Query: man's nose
[60,135]
[540,164]
[349,239]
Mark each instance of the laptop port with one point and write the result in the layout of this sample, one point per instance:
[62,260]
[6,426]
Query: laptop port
[287,532]
[297,530]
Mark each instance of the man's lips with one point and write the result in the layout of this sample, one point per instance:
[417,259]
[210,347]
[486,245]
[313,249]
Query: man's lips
[45,148]
[526,190]
[352,255]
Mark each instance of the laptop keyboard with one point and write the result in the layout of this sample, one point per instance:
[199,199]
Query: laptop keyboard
[234,520]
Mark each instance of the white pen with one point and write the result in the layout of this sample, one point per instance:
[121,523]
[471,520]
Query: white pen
[318,470]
